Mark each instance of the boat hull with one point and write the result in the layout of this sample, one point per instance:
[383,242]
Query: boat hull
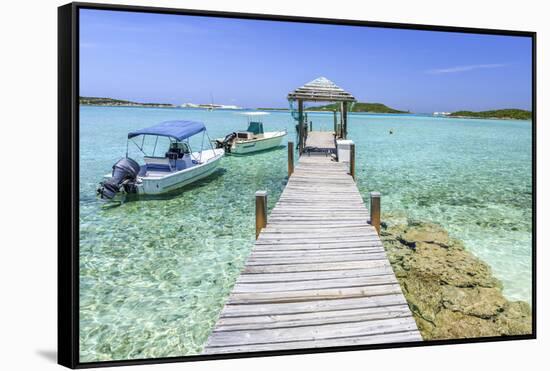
[256,145]
[171,182]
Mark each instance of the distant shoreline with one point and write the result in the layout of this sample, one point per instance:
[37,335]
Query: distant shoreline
[486,118]
[154,105]
[369,108]
[499,114]
[110,102]
[129,105]
[359,107]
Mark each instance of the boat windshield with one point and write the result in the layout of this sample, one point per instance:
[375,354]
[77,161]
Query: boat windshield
[255,124]
[161,146]
[255,127]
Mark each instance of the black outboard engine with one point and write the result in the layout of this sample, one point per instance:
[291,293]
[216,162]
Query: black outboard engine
[125,172]
[226,142]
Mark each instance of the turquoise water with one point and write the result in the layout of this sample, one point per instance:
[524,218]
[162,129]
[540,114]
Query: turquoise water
[154,273]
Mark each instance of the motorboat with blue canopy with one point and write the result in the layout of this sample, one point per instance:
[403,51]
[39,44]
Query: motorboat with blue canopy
[253,139]
[178,130]
[178,166]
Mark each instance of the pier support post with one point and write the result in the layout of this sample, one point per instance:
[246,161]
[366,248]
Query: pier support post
[335,123]
[290,158]
[345,120]
[301,129]
[375,210]
[261,211]
[352,160]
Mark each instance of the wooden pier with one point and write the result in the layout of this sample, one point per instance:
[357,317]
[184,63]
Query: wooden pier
[318,275]
[320,141]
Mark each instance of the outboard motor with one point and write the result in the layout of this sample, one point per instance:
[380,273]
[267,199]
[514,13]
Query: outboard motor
[125,172]
[226,142]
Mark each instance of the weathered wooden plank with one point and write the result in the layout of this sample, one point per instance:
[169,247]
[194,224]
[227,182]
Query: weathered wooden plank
[325,237]
[312,266]
[316,233]
[298,257]
[258,260]
[312,333]
[320,217]
[319,222]
[308,295]
[316,275]
[347,241]
[231,310]
[274,251]
[326,212]
[316,252]
[321,209]
[318,246]
[290,228]
[270,239]
[315,284]
[324,225]
[313,318]
[395,337]
[299,187]
[330,196]
[337,230]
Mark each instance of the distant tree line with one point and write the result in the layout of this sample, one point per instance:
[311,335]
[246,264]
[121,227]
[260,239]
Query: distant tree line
[359,107]
[509,113]
[100,101]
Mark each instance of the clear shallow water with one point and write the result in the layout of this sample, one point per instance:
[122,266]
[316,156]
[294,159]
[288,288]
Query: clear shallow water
[471,176]
[156,272]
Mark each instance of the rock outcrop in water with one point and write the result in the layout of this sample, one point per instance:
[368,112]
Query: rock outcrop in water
[452,293]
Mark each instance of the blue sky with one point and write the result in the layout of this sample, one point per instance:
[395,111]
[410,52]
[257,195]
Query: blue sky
[176,59]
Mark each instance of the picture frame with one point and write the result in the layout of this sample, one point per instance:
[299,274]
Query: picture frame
[69,170]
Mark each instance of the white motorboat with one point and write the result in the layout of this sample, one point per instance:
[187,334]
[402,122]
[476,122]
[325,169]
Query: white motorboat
[254,139]
[178,167]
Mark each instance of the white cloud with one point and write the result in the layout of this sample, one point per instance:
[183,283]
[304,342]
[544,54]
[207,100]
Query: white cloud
[465,68]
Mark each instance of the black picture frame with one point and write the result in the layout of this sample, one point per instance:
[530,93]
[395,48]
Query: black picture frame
[68,180]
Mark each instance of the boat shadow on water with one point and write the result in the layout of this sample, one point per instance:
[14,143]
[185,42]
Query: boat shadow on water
[219,172]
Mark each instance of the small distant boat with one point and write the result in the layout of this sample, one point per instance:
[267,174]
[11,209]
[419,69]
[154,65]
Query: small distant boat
[211,108]
[178,167]
[254,139]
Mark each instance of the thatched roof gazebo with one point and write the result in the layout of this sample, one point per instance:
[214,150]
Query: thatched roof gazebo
[321,90]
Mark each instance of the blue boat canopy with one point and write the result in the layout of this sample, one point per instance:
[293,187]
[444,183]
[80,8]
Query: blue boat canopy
[178,130]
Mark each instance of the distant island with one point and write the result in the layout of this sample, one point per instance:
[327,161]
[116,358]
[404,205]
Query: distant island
[359,107]
[110,102]
[99,101]
[506,114]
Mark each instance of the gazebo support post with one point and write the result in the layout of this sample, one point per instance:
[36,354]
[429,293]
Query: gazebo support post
[335,122]
[345,120]
[341,125]
[301,126]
